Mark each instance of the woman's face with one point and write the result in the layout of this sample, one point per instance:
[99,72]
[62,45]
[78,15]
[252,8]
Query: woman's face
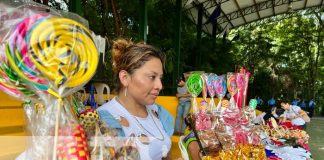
[285,106]
[145,83]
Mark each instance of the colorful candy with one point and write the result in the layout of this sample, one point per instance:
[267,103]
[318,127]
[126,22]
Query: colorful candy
[195,84]
[253,103]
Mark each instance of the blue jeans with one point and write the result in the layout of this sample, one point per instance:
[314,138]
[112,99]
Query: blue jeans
[182,111]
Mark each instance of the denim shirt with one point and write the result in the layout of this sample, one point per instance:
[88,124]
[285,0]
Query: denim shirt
[165,117]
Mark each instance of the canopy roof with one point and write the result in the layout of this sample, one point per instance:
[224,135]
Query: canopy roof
[235,13]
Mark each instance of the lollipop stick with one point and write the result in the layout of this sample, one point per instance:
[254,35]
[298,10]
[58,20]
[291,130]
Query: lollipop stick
[219,103]
[194,104]
[95,140]
[56,129]
[211,104]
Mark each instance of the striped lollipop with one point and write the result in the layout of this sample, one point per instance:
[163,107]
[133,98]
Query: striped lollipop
[63,51]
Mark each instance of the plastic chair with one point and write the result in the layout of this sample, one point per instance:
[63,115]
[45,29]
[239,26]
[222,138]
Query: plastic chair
[100,88]
[183,149]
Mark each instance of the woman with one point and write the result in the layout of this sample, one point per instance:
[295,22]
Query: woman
[294,114]
[132,112]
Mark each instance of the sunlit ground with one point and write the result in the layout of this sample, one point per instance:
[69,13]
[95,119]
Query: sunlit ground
[316,131]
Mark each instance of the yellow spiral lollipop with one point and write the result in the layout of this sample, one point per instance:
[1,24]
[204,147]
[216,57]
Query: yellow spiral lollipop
[63,51]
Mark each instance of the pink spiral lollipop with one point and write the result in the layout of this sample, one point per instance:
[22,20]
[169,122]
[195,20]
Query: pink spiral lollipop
[220,86]
[210,86]
[240,81]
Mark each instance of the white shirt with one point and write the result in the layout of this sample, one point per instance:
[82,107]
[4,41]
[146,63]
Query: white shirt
[159,142]
[293,111]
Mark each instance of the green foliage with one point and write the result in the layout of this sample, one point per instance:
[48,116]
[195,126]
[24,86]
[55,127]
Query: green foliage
[284,56]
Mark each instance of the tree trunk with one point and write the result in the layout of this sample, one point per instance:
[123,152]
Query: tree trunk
[118,22]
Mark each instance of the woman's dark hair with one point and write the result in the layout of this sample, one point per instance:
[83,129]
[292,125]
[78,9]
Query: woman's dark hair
[285,101]
[129,56]
[181,78]
[187,121]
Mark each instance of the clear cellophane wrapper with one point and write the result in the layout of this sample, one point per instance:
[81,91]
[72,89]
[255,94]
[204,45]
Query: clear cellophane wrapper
[46,57]
[106,145]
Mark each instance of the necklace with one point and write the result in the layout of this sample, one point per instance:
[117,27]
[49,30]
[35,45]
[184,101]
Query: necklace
[161,139]
[143,128]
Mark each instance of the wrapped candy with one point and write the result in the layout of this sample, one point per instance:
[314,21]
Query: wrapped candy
[209,141]
[88,118]
[72,144]
[225,103]
[203,121]
[243,152]
[231,118]
[226,141]
[241,135]
[254,135]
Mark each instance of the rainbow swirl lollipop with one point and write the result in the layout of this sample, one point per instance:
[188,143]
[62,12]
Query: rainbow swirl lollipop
[11,84]
[231,84]
[17,53]
[7,87]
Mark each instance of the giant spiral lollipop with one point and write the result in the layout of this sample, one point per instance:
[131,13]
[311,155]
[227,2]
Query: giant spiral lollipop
[63,51]
[53,54]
